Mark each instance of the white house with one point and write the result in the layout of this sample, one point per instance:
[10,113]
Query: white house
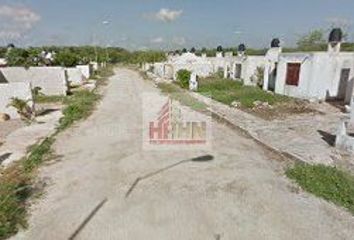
[247,68]
[188,61]
[312,75]
[234,67]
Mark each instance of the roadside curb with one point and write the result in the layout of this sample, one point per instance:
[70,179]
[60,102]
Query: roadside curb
[251,135]
[222,118]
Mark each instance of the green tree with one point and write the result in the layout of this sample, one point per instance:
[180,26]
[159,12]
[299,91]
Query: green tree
[66,58]
[313,41]
[17,57]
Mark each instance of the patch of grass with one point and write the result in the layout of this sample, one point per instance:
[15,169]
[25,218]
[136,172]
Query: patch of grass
[228,91]
[49,99]
[16,188]
[326,182]
[79,106]
[38,154]
[176,93]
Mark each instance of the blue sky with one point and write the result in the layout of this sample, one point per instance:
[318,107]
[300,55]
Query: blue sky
[139,24]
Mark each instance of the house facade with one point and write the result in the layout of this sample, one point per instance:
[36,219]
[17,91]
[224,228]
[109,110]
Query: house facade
[311,75]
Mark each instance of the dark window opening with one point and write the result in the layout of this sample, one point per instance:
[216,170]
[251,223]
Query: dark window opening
[238,70]
[293,74]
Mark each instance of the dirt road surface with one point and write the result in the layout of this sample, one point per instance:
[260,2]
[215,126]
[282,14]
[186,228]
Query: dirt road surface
[241,194]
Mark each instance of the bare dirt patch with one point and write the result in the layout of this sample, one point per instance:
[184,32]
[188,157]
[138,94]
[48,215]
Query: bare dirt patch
[282,110]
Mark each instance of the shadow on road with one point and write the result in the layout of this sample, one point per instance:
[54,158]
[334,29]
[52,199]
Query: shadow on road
[205,158]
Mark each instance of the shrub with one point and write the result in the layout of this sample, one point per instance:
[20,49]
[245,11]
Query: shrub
[23,109]
[183,77]
[66,58]
[36,91]
[17,57]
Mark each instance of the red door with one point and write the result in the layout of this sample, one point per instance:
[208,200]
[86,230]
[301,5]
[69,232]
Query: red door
[293,74]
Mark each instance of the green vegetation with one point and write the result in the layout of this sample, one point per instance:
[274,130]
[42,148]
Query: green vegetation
[17,181]
[16,186]
[326,182]
[79,106]
[178,94]
[71,56]
[228,91]
[37,154]
[67,58]
[14,190]
[183,77]
[23,109]
[314,40]
[49,99]
[18,57]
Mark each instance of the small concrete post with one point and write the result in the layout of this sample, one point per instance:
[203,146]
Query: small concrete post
[352,111]
[226,73]
[193,82]
[233,72]
[341,136]
[266,77]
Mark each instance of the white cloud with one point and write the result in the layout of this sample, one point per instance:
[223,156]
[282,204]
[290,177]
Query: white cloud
[16,21]
[179,41]
[157,40]
[165,15]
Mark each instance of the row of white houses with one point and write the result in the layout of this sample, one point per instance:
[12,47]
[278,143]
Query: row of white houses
[307,75]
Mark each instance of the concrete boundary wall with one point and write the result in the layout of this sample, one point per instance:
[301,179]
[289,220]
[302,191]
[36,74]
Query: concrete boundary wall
[85,69]
[20,90]
[75,76]
[51,80]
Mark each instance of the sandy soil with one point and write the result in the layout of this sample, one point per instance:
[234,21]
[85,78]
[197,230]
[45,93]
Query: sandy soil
[8,127]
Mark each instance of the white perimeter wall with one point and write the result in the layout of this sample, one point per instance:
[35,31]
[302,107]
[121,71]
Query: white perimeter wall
[85,69]
[202,70]
[319,75]
[20,90]
[249,68]
[306,72]
[75,76]
[52,80]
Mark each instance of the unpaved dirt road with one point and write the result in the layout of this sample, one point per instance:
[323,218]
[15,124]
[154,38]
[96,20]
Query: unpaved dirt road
[241,194]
